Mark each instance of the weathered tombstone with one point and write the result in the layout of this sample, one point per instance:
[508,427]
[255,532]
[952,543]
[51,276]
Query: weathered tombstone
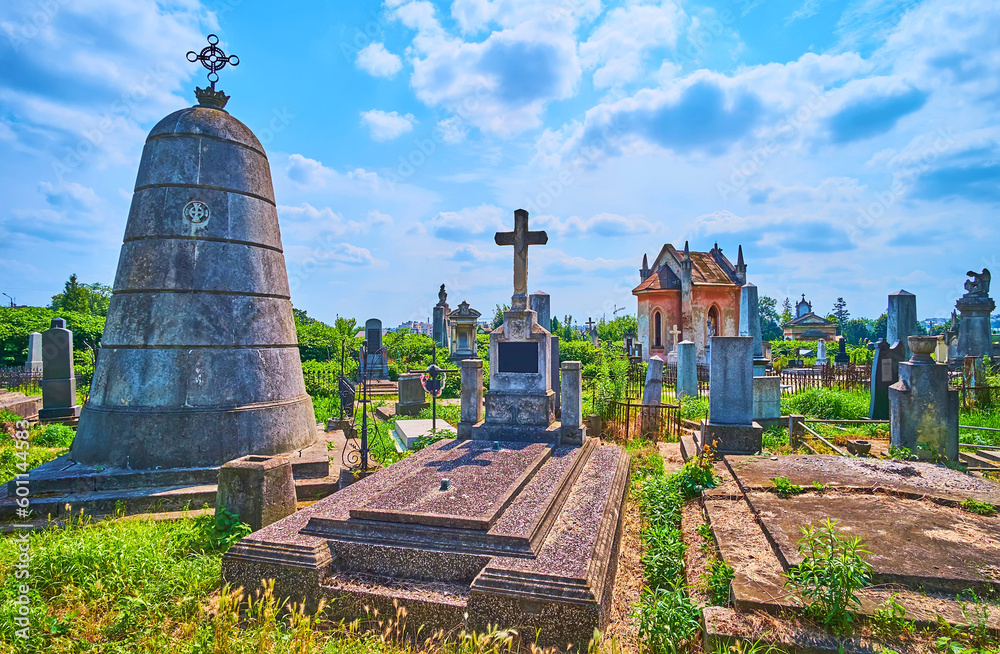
[953,349]
[58,377]
[541,303]
[439,327]
[199,361]
[687,370]
[259,489]
[796,430]
[520,404]
[902,319]
[572,430]
[750,325]
[554,373]
[821,359]
[376,365]
[34,362]
[592,331]
[730,428]
[766,398]
[941,349]
[652,395]
[411,395]
[974,335]
[885,373]
[464,322]
[471,408]
[841,358]
[923,409]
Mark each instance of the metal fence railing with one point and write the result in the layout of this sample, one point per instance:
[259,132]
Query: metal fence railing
[849,377]
[20,380]
[655,422]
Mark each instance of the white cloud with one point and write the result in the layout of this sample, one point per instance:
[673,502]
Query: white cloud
[466,224]
[385,126]
[375,60]
[602,225]
[618,47]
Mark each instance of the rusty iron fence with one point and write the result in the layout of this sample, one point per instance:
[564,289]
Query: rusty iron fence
[849,377]
[979,397]
[670,378]
[655,422]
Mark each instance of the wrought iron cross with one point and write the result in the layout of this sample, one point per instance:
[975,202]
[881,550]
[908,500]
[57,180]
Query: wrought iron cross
[521,238]
[590,324]
[213,58]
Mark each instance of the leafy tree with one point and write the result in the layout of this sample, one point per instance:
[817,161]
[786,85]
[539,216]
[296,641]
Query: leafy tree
[857,330]
[880,327]
[841,313]
[90,299]
[614,330]
[16,324]
[770,325]
[498,315]
[786,311]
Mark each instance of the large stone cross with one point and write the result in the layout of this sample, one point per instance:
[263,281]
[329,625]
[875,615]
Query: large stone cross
[521,238]
[675,333]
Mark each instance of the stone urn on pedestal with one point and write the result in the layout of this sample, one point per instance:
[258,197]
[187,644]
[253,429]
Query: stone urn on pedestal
[923,411]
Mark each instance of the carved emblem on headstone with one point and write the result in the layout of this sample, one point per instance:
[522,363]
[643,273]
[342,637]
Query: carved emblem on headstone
[196,212]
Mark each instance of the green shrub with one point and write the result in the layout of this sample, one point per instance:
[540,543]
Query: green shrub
[718,580]
[979,508]
[834,568]
[827,404]
[889,619]
[694,408]
[669,621]
[55,435]
[695,476]
[663,560]
[786,487]
[775,437]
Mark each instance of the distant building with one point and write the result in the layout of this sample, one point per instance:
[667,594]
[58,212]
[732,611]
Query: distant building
[696,293]
[807,326]
[416,327]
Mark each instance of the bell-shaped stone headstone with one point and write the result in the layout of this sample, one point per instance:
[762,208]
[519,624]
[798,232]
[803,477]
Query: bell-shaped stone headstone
[199,362]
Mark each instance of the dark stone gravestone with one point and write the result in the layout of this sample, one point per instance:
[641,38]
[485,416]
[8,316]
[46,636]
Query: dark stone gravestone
[58,378]
[376,365]
[841,358]
[885,373]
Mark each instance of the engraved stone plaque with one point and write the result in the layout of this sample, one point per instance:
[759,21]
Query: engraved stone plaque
[517,357]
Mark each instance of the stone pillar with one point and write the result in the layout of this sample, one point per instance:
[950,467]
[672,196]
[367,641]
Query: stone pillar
[540,303]
[259,489]
[412,397]
[554,373]
[439,325]
[885,373]
[730,428]
[34,361]
[572,431]
[821,352]
[687,370]
[58,377]
[766,397]
[902,319]
[974,336]
[472,397]
[652,392]
[923,410]
[750,324]
[796,430]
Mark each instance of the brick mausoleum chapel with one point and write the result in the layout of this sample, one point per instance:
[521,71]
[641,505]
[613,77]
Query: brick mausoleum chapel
[688,296]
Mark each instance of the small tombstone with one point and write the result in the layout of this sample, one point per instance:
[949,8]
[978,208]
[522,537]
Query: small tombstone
[941,350]
[841,358]
[923,410]
[58,377]
[730,426]
[652,392]
[376,365]
[821,352]
[471,408]
[34,361]
[259,489]
[411,395]
[885,373]
[540,302]
[572,429]
[687,370]
[901,321]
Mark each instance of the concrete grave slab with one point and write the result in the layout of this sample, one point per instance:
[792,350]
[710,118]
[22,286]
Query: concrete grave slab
[408,432]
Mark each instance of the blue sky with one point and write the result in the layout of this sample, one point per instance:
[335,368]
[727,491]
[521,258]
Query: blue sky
[850,147]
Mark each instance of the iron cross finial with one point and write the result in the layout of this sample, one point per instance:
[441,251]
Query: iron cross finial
[213,58]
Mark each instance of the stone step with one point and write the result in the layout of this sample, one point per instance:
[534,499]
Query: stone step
[992,455]
[689,446]
[976,461]
[26,406]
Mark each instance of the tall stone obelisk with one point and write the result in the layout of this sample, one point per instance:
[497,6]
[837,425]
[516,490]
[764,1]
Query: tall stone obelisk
[199,361]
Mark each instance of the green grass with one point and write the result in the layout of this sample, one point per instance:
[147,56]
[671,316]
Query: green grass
[980,418]
[827,404]
[694,408]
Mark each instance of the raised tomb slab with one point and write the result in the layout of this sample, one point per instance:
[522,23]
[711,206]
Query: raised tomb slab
[464,534]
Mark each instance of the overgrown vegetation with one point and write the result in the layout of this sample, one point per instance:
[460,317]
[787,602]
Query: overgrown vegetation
[827,404]
[669,621]
[785,487]
[834,568]
[979,508]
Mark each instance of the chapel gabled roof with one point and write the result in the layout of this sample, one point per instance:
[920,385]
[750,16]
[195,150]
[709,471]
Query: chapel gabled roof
[809,319]
[706,268]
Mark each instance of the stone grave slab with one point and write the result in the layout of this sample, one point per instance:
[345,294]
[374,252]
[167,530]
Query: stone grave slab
[408,432]
[525,535]
[917,544]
